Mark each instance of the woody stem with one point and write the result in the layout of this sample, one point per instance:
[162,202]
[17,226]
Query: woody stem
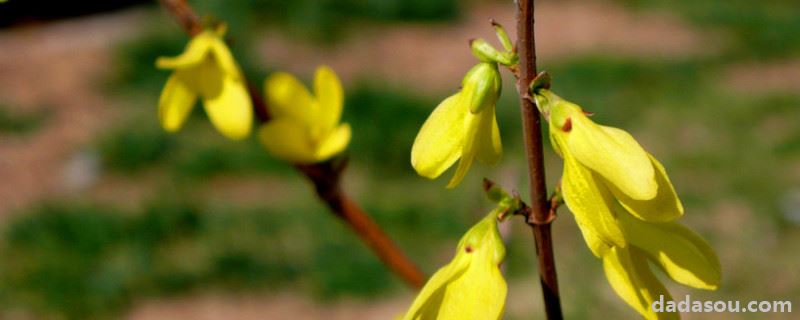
[325,176]
[540,217]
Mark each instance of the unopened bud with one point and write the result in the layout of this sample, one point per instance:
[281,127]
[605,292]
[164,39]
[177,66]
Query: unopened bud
[481,86]
[502,35]
[487,53]
[494,192]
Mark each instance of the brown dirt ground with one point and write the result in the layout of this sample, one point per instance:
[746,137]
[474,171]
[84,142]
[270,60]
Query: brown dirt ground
[267,306]
[760,78]
[59,67]
[439,54]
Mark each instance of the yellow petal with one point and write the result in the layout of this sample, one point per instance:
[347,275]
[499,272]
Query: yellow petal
[225,59]
[471,286]
[489,148]
[440,141]
[682,254]
[427,303]
[334,143]
[479,293]
[553,143]
[231,110]
[473,124]
[195,53]
[592,205]
[205,78]
[328,90]
[287,97]
[177,100]
[596,244]
[286,139]
[461,171]
[616,157]
[665,206]
[631,278]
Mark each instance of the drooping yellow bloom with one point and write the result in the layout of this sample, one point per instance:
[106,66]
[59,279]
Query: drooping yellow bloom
[305,128]
[206,69]
[683,255]
[626,208]
[463,126]
[604,167]
[471,286]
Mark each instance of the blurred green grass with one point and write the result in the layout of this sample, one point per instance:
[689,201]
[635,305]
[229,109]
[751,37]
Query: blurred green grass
[87,261]
[327,20]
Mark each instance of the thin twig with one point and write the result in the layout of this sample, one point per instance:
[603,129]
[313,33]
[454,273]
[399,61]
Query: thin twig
[540,217]
[183,13]
[325,176]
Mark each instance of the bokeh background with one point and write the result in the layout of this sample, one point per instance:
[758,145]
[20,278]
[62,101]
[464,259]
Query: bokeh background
[104,216]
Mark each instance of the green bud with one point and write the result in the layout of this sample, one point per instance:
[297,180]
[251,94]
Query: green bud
[494,192]
[481,87]
[540,90]
[541,81]
[487,53]
[502,36]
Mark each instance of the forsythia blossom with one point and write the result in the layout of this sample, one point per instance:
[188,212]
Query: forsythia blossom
[604,167]
[471,286]
[305,128]
[625,206]
[206,69]
[463,127]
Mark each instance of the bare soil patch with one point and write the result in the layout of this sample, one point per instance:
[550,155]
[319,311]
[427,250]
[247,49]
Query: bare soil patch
[434,57]
[763,77]
[58,67]
[285,306]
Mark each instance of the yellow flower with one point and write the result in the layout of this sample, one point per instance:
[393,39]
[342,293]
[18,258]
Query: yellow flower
[631,278]
[305,128]
[471,286]
[683,255]
[625,206]
[463,126]
[605,167]
[206,69]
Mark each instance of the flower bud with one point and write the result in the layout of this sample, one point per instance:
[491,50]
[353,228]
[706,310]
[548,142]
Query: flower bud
[487,53]
[502,36]
[481,86]
[494,192]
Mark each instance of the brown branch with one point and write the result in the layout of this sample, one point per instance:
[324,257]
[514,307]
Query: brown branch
[540,217]
[183,13]
[325,176]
